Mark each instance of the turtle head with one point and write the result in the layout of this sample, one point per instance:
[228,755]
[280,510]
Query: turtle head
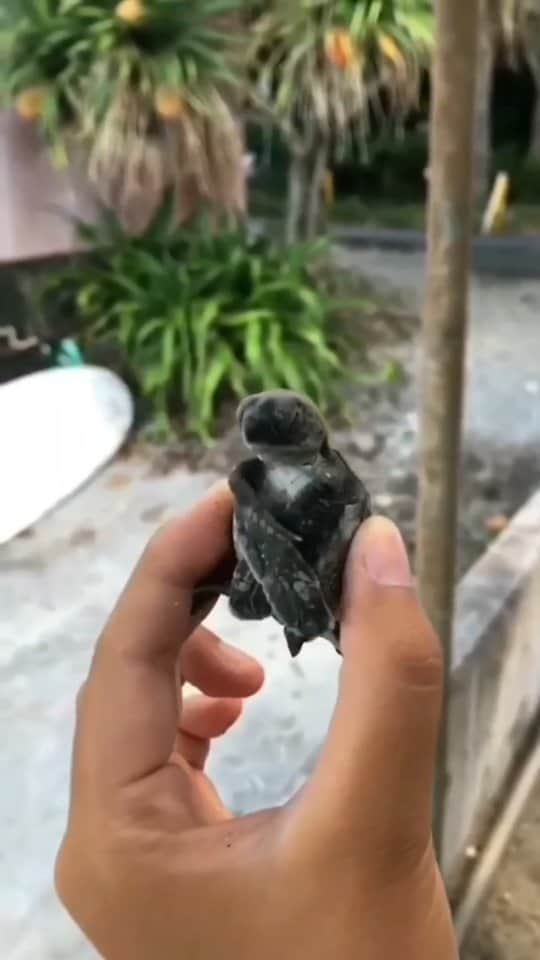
[281,426]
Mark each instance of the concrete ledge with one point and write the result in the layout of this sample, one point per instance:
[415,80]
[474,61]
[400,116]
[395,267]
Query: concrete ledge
[495,684]
[512,257]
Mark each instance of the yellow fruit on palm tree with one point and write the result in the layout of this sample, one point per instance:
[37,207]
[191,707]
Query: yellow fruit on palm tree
[169,104]
[390,49]
[131,11]
[329,189]
[340,49]
[30,104]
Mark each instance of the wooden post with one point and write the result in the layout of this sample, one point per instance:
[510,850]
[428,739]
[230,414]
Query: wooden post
[444,326]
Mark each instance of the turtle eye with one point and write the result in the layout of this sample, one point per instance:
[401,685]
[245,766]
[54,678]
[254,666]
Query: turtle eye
[294,426]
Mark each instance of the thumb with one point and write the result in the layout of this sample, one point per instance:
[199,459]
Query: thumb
[377,769]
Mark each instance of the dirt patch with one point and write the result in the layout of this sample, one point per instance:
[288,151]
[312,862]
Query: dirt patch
[508,927]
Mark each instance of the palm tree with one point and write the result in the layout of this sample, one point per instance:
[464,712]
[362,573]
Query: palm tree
[499,33]
[529,34]
[321,68]
[144,87]
[487,43]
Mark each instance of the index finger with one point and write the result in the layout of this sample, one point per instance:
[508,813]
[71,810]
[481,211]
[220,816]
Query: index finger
[128,717]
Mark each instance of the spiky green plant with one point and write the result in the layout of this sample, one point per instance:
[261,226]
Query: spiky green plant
[144,85]
[203,315]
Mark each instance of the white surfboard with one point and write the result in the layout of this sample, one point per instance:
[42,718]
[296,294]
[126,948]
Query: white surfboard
[57,428]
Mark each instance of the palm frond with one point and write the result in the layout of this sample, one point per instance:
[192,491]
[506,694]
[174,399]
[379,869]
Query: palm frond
[320,65]
[146,85]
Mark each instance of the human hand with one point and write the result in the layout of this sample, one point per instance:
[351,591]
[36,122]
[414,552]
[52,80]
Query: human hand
[153,867]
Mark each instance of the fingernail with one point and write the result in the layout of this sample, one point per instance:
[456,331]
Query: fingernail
[379,551]
[217,487]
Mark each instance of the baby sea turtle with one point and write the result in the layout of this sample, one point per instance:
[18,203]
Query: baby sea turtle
[297,507]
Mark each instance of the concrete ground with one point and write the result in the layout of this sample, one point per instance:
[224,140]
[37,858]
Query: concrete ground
[57,586]
[503,356]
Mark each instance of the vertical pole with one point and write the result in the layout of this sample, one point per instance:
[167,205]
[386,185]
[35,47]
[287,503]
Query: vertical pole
[444,327]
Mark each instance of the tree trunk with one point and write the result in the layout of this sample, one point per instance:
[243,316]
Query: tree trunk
[482,100]
[318,163]
[534,149]
[297,197]
[444,327]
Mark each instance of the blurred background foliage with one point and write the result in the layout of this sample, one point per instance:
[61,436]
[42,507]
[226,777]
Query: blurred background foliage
[157,102]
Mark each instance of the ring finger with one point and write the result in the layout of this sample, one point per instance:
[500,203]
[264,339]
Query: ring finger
[203,720]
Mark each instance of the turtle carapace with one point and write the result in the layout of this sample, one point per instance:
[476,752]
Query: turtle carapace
[297,507]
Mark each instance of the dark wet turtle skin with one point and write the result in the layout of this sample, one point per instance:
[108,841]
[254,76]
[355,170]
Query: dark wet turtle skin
[297,506]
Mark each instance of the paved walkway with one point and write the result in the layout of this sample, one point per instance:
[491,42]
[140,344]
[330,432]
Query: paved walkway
[503,357]
[57,586]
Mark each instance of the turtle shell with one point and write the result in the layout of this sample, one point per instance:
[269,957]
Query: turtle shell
[292,532]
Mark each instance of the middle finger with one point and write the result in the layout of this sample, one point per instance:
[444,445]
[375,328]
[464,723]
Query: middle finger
[218,669]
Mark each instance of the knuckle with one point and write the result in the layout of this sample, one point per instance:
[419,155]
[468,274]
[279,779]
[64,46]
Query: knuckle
[153,549]
[419,656]
[164,543]
[68,872]
[401,856]
[86,862]
[168,532]
[162,532]
[87,885]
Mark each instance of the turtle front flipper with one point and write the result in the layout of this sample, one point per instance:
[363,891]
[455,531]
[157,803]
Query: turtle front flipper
[246,597]
[331,561]
[290,585]
[295,641]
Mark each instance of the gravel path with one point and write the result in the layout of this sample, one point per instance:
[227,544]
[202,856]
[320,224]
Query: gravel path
[508,927]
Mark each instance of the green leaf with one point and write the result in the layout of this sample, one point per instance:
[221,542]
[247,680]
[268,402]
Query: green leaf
[316,339]
[245,318]
[254,346]
[153,379]
[209,384]
[205,316]
[148,329]
[168,345]
[180,316]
